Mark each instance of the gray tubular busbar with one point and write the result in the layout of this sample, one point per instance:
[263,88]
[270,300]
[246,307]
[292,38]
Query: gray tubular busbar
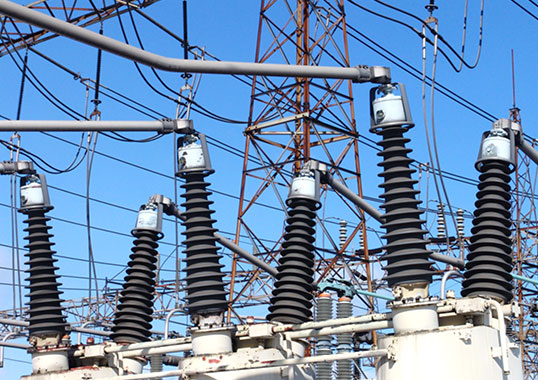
[161,126]
[528,150]
[361,203]
[360,74]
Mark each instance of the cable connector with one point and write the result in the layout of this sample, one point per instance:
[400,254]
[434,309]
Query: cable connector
[169,207]
[16,167]
[373,74]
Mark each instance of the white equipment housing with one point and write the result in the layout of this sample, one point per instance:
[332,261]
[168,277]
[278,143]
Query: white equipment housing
[427,338]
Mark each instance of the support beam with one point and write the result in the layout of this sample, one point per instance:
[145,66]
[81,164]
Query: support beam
[359,74]
[342,189]
[160,126]
[173,210]
[459,263]
[339,187]
[528,150]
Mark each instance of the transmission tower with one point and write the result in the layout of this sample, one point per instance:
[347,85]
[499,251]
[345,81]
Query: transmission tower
[292,121]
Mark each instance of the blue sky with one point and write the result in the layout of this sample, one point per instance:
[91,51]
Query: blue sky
[228,31]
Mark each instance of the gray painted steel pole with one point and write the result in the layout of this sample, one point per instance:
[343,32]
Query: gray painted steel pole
[361,74]
[235,248]
[376,214]
[459,263]
[161,126]
[528,150]
[246,255]
[346,192]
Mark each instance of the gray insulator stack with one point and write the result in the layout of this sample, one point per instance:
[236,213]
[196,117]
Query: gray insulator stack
[487,272]
[441,223]
[459,223]
[343,233]
[132,321]
[406,254]
[324,312]
[156,364]
[205,285]
[344,368]
[292,296]
[460,227]
[45,310]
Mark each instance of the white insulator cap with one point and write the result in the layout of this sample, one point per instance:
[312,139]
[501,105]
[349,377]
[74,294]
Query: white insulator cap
[147,218]
[191,157]
[389,107]
[304,186]
[32,195]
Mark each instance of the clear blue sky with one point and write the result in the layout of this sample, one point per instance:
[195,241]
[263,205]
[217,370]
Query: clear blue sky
[228,30]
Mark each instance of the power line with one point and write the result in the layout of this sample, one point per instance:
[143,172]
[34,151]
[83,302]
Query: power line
[41,163]
[526,10]
[194,105]
[419,33]
[415,73]
[42,89]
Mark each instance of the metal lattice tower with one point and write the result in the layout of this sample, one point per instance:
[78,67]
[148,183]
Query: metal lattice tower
[292,121]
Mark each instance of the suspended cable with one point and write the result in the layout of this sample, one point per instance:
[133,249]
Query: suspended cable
[196,107]
[433,31]
[41,163]
[432,112]
[417,74]
[525,10]
[43,90]
[76,76]
[90,148]
[21,91]
[464,35]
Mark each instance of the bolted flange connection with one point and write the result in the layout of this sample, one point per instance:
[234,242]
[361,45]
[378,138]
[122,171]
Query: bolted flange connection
[132,322]
[205,285]
[487,272]
[46,313]
[292,296]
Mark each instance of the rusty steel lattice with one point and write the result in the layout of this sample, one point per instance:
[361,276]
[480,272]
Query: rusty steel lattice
[525,258]
[292,121]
